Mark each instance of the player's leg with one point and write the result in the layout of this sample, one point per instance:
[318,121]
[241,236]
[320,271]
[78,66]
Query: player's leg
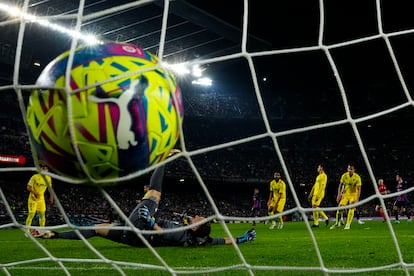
[142,216]
[42,218]
[29,219]
[157,178]
[315,219]
[315,204]
[380,211]
[323,215]
[318,213]
[31,212]
[395,211]
[279,208]
[73,235]
[339,216]
[271,211]
[405,213]
[41,209]
[280,222]
[351,212]
[337,219]
[69,235]
[150,201]
[102,230]
[339,213]
[349,219]
[255,214]
[358,217]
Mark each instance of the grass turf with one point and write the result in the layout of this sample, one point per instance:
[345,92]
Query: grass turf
[290,251]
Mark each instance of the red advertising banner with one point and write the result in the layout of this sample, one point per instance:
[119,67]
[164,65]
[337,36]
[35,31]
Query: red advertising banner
[13,159]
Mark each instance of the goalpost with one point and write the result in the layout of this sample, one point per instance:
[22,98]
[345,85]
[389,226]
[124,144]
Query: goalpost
[316,99]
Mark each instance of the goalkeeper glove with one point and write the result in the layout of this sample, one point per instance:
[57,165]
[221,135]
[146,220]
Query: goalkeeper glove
[152,222]
[248,236]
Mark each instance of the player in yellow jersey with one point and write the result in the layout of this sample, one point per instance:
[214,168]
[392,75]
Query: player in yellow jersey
[277,199]
[317,194]
[37,187]
[349,191]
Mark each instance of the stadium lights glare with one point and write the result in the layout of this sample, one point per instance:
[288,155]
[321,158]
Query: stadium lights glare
[179,69]
[182,69]
[203,81]
[197,72]
[16,12]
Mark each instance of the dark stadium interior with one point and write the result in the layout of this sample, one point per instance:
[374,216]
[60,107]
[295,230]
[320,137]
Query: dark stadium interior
[300,90]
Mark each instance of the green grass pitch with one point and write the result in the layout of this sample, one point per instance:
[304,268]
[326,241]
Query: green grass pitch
[364,246]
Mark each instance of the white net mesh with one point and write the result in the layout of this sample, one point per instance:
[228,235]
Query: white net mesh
[296,85]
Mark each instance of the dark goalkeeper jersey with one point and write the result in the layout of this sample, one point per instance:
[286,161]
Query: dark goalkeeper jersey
[179,238]
[176,238]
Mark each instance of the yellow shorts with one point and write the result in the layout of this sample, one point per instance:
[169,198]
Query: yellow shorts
[347,199]
[280,205]
[317,202]
[36,205]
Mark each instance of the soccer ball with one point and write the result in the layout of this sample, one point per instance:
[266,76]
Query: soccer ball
[103,127]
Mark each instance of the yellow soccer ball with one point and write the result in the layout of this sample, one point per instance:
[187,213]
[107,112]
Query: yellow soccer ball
[114,126]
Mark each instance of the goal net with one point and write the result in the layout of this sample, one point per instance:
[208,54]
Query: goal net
[266,87]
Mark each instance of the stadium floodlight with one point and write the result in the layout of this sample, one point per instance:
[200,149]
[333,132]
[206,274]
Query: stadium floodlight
[182,69]
[13,11]
[16,12]
[179,68]
[197,72]
[203,81]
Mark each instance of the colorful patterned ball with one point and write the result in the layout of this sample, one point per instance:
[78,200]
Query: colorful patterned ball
[112,118]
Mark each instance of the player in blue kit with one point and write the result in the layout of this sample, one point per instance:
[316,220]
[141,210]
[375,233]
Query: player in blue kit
[401,201]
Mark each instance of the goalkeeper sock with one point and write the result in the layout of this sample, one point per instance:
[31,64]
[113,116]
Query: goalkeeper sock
[156,179]
[71,235]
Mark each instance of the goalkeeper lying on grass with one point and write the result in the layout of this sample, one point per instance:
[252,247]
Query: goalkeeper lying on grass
[142,218]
